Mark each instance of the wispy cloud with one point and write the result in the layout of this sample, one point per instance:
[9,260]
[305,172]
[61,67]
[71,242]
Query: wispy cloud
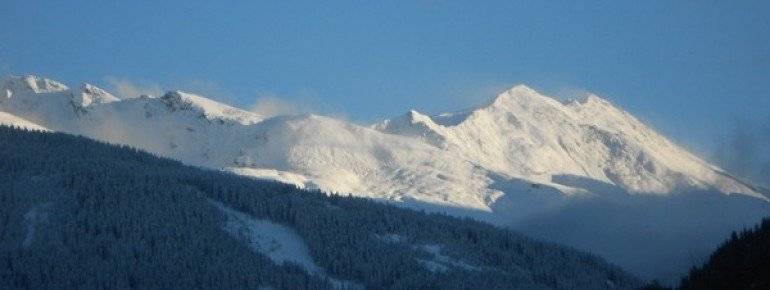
[270,104]
[132,88]
[126,88]
[267,103]
[745,152]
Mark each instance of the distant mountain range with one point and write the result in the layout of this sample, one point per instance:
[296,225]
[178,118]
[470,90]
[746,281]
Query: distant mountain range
[580,172]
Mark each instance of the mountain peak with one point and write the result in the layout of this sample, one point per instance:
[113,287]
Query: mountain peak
[591,98]
[409,118]
[208,108]
[588,100]
[521,96]
[521,88]
[88,94]
[416,116]
[33,83]
[517,91]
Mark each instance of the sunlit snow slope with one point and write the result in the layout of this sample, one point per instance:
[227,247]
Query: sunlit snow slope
[451,159]
[523,134]
[11,120]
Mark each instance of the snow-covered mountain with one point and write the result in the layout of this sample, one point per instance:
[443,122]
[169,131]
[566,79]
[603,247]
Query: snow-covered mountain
[518,158]
[524,134]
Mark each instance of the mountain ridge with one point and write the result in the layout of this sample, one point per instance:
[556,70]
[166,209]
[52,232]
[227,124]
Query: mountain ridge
[518,134]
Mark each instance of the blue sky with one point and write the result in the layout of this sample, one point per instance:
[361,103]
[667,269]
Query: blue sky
[697,70]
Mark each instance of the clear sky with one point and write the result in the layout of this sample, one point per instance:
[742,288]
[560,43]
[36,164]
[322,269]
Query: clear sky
[689,68]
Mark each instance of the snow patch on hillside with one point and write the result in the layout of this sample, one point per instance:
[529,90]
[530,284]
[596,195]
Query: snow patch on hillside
[34,218]
[391,238]
[278,242]
[271,174]
[441,262]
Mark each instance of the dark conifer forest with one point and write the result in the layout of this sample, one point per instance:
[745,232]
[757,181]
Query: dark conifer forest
[76,213]
[743,262]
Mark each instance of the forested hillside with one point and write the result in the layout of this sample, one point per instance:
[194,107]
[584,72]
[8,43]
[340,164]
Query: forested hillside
[76,213]
[743,262]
